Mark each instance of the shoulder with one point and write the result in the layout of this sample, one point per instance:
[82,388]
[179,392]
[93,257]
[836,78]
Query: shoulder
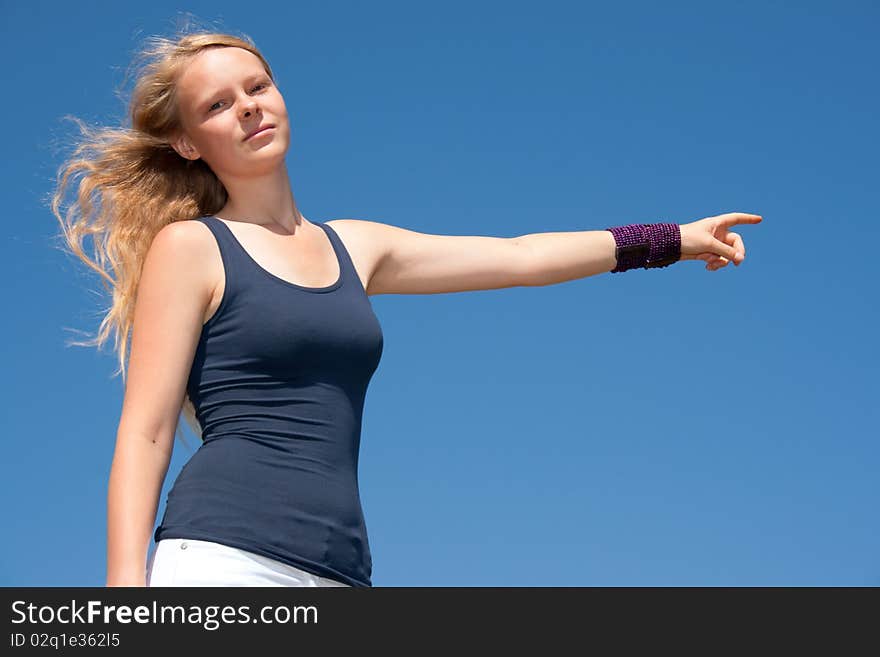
[358,226]
[369,234]
[363,235]
[367,243]
[182,234]
[187,240]
[186,247]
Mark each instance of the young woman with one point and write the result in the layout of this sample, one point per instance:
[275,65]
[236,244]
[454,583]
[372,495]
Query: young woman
[255,322]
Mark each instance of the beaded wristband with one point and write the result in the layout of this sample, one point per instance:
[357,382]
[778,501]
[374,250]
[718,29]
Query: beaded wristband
[646,245]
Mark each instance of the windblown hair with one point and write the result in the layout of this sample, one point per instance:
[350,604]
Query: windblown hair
[132,183]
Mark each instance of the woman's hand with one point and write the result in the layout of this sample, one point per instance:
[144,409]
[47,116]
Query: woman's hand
[709,239]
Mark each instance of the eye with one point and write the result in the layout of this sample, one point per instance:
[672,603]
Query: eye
[262,84]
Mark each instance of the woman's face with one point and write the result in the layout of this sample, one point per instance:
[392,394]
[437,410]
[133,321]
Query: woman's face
[224,95]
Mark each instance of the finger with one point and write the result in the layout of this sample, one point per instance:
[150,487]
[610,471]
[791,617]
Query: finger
[740,248]
[733,218]
[735,240]
[725,250]
[716,262]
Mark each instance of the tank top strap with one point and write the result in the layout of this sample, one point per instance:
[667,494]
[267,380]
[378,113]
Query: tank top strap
[348,272]
[234,265]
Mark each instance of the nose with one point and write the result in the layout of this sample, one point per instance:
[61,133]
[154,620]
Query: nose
[249,108]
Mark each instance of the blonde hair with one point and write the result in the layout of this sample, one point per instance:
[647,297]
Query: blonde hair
[133,183]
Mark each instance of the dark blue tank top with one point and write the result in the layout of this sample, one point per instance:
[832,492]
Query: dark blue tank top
[278,383]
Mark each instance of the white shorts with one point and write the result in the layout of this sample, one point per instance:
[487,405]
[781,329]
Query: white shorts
[190,562]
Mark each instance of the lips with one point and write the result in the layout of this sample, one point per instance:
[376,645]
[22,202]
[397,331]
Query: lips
[260,129]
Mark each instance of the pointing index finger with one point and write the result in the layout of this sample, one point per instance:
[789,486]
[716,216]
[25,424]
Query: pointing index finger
[742,218]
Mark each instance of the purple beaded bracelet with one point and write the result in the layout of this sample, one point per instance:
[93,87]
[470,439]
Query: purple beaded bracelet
[646,245]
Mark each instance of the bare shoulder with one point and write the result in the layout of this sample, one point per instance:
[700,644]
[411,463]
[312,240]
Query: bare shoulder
[360,232]
[189,248]
[363,234]
[188,232]
[366,243]
[181,237]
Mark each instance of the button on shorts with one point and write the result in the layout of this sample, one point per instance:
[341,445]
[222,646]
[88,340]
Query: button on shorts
[191,562]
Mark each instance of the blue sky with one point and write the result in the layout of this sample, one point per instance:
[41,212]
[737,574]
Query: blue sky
[671,427]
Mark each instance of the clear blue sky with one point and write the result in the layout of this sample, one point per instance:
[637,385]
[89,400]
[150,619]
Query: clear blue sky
[662,427]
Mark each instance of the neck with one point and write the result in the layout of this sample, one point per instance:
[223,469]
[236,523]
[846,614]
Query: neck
[263,200]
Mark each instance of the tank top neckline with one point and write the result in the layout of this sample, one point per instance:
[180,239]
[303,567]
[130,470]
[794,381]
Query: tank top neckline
[317,290]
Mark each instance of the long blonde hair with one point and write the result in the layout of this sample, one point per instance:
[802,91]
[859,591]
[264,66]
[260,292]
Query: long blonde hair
[133,183]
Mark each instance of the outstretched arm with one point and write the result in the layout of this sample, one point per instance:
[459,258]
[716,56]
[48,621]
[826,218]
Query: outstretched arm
[409,262]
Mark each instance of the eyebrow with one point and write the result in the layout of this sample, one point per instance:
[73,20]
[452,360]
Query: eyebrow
[217,92]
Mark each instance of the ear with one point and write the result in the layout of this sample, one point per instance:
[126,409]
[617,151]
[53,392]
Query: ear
[185,148]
